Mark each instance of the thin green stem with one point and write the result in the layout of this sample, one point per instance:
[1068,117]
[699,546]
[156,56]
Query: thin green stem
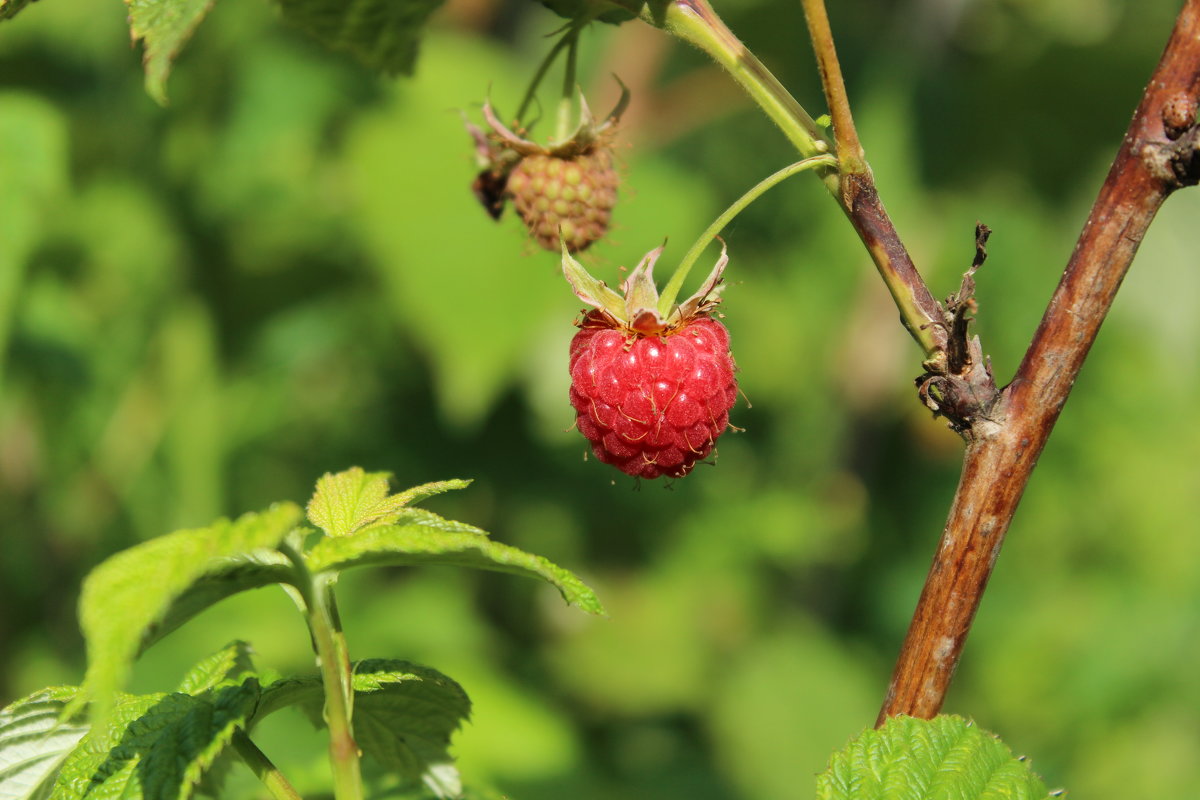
[315,595]
[536,80]
[851,159]
[696,23]
[671,291]
[263,768]
[566,104]
[336,678]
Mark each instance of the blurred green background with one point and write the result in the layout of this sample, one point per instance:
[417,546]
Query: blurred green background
[204,307]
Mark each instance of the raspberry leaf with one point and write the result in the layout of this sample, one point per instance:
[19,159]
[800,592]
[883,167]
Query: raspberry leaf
[404,716]
[34,742]
[164,26]
[354,499]
[938,759]
[381,34]
[139,594]
[231,664]
[158,745]
[429,539]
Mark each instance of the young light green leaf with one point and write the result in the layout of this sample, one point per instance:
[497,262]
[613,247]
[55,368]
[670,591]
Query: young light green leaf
[410,497]
[404,715]
[945,758]
[125,597]
[164,26]
[156,746]
[382,34]
[232,664]
[434,540]
[34,742]
[355,499]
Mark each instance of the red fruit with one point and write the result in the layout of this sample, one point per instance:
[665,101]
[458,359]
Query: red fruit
[655,404]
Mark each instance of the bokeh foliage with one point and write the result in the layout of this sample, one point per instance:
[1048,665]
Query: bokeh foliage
[205,307]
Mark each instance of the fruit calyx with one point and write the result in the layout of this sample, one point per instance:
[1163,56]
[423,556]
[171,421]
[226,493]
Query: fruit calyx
[636,308]
[565,189]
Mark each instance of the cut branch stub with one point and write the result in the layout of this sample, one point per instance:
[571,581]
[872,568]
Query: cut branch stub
[957,383]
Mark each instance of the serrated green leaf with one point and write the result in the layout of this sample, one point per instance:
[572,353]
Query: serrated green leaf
[381,34]
[404,715]
[164,26]
[9,8]
[128,595]
[230,665]
[945,758]
[156,747]
[434,540]
[34,742]
[355,499]
[416,494]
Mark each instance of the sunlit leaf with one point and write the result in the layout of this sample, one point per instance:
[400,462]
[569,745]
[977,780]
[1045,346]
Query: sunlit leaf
[942,758]
[34,742]
[157,746]
[438,541]
[354,499]
[127,595]
[229,665]
[382,34]
[164,26]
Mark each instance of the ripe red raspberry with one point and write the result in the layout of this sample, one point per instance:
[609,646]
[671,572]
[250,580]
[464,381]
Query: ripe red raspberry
[651,382]
[654,404]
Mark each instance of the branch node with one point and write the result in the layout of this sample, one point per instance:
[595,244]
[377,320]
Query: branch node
[957,383]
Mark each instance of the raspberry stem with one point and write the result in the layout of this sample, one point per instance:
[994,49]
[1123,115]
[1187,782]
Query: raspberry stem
[671,291]
[567,39]
[697,23]
[564,125]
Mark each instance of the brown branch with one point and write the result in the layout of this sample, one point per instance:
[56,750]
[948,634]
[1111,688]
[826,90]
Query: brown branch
[1158,155]
[919,310]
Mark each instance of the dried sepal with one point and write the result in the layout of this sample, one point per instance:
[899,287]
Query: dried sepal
[635,307]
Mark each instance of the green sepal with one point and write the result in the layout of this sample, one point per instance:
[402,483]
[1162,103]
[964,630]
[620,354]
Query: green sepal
[944,758]
[595,293]
[354,499]
[35,740]
[131,598]
[430,539]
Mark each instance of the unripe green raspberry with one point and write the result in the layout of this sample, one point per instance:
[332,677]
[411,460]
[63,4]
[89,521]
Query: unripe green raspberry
[573,195]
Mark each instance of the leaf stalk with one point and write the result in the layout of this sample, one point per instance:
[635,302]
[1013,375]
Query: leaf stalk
[266,771]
